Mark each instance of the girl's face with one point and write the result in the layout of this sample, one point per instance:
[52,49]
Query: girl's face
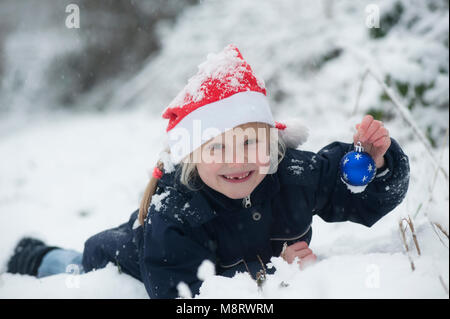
[235,162]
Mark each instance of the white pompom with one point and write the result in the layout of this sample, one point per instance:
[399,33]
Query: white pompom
[295,133]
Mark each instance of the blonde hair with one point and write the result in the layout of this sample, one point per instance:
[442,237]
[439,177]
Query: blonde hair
[187,171]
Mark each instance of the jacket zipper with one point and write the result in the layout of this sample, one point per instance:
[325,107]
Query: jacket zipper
[246,202]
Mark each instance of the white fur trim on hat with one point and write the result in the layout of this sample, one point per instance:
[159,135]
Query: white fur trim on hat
[216,118]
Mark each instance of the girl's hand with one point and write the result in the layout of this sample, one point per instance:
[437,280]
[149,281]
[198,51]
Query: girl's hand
[374,137]
[300,250]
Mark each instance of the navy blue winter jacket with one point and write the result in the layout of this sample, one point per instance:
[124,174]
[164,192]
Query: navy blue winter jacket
[184,228]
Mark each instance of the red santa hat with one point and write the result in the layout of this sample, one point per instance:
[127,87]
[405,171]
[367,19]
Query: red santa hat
[223,94]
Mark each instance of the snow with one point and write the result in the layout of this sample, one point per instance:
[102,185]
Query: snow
[104,283]
[370,276]
[136,224]
[384,172]
[157,200]
[354,189]
[295,169]
[169,166]
[183,290]
[206,270]
[66,177]
[217,66]
[350,255]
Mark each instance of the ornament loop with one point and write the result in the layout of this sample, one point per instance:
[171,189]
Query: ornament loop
[359,147]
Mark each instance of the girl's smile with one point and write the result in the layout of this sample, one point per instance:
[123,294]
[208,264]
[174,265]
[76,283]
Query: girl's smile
[238,177]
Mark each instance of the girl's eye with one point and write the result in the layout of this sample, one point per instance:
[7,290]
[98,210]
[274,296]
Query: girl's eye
[216,146]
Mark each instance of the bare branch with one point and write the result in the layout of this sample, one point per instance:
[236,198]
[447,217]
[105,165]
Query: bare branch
[441,229]
[443,284]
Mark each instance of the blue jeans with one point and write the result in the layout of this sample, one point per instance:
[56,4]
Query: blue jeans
[59,261]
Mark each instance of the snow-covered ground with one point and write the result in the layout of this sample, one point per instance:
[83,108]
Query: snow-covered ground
[65,177]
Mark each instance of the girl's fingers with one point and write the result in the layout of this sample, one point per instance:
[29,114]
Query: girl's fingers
[303,253]
[374,126]
[290,254]
[381,141]
[365,124]
[299,245]
[379,133]
[298,253]
[299,249]
[363,127]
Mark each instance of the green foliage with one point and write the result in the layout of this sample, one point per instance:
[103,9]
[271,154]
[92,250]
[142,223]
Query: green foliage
[412,95]
[430,137]
[377,114]
[402,88]
[416,93]
[320,61]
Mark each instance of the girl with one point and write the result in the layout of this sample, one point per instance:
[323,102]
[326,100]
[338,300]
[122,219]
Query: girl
[231,188]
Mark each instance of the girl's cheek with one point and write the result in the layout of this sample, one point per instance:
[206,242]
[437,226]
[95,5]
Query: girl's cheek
[262,155]
[214,170]
[207,171]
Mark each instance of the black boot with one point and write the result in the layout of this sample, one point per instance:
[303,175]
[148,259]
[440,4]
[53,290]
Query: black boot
[27,256]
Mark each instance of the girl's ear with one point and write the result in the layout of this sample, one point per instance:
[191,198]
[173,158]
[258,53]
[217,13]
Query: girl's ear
[295,133]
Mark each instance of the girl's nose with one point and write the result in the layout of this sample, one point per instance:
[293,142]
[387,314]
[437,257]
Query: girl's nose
[238,157]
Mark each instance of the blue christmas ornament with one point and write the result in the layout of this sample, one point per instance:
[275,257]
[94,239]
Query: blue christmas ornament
[357,167]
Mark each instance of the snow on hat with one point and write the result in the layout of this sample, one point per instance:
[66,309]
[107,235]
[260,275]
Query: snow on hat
[223,94]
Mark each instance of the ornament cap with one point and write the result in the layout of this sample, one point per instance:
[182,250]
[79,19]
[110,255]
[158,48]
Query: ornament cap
[358,147]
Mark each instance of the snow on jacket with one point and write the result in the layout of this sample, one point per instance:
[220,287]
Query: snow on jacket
[183,228]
